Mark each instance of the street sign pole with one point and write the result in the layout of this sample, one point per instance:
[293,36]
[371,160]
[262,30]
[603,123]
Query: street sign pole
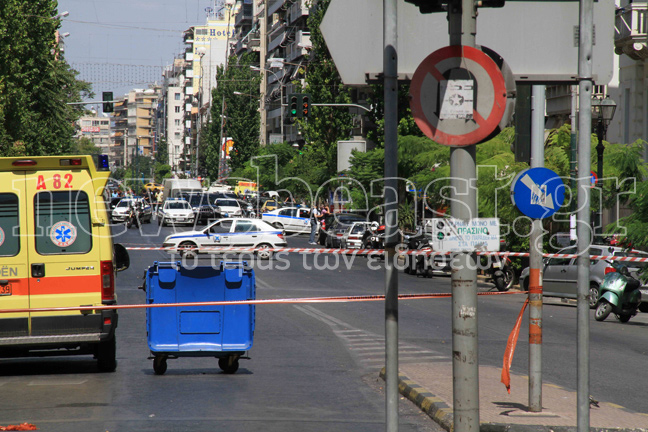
[463,170]
[583,228]
[390,74]
[535,258]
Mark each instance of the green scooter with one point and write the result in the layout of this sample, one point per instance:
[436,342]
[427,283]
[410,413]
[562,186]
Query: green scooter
[619,293]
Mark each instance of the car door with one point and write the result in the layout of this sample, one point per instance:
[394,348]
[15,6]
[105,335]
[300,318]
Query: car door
[286,217]
[557,274]
[220,233]
[303,220]
[245,233]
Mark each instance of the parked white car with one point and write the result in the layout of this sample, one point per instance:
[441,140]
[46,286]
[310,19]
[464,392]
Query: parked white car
[352,237]
[175,211]
[228,207]
[228,232]
[290,219]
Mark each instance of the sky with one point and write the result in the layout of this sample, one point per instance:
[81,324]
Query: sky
[119,45]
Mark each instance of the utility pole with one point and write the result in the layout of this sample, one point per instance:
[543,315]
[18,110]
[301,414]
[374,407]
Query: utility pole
[263,16]
[462,21]
[390,74]
[535,258]
[584,228]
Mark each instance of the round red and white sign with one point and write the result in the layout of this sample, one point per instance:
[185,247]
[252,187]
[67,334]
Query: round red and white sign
[458,96]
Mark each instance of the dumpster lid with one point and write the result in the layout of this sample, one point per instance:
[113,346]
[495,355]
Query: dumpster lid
[167,272]
[233,271]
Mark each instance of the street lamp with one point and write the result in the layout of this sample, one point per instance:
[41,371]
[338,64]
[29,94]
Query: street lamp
[281,105]
[602,112]
[201,52]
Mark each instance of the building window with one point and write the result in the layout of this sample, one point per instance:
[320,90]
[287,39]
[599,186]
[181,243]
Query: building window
[178,122]
[177,135]
[178,96]
[177,109]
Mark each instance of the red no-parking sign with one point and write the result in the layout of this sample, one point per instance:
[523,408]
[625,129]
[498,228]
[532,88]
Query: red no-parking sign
[458,96]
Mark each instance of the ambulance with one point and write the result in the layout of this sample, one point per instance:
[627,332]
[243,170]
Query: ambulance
[56,251]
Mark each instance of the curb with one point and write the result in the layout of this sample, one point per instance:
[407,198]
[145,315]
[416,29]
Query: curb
[443,415]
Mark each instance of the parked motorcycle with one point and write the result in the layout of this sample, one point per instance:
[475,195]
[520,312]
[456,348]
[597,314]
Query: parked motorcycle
[620,294]
[418,264]
[133,217]
[501,273]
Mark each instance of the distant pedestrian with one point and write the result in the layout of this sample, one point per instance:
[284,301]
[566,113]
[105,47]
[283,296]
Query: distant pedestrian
[314,219]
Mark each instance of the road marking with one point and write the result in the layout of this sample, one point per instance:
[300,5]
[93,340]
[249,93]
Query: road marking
[56,382]
[369,348]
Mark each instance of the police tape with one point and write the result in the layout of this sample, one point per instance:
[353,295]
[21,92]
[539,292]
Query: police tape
[339,299]
[372,252]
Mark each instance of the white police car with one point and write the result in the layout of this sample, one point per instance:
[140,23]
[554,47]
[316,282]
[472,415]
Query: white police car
[290,219]
[175,211]
[228,232]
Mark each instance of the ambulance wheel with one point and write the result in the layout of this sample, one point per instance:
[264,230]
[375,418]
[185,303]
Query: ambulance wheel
[229,365]
[107,355]
[160,364]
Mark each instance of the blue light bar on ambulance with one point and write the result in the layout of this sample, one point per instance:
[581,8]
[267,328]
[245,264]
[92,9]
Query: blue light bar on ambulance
[102,163]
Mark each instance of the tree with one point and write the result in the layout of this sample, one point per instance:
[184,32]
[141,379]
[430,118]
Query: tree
[325,125]
[35,81]
[84,146]
[234,116]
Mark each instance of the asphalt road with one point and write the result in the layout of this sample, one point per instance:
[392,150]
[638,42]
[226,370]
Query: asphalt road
[313,366]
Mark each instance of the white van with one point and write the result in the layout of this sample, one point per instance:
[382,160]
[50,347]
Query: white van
[173,188]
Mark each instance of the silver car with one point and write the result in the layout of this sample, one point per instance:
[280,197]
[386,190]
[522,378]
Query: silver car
[560,275]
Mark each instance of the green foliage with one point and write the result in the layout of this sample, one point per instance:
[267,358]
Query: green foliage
[268,167]
[162,154]
[162,171]
[326,125]
[35,81]
[241,121]
[84,146]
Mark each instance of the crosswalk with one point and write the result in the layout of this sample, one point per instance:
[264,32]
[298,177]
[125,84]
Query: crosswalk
[367,348]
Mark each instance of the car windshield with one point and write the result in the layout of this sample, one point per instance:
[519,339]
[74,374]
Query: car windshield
[177,205]
[124,203]
[227,203]
[358,229]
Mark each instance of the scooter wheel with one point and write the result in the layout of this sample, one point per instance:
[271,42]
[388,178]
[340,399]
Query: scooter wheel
[603,310]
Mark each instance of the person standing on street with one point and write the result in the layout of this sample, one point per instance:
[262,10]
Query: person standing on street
[314,219]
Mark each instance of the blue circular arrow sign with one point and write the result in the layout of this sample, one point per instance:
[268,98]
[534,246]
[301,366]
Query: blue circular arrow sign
[538,192]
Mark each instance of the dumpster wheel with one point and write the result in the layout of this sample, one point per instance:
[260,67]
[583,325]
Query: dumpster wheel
[229,365]
[160,364]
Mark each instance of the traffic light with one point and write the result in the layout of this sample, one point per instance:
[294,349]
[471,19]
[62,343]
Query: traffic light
[107,98]
[429,6]
[294,111]
[305,105]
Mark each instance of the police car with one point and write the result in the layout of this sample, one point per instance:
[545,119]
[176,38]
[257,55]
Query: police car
[229,232]
[290,219]
[176,211]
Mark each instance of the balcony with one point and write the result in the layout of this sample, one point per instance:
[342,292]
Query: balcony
[297,10]
[244,15]
[631,29]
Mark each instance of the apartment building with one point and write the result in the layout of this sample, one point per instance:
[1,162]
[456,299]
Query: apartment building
[135,123]
[97,129]
[277,29]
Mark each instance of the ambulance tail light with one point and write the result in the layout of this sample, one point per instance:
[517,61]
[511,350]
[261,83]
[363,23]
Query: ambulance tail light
[71,162]
[107,281]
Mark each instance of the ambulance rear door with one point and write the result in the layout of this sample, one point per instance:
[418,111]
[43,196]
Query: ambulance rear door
[14,270]
[64,258]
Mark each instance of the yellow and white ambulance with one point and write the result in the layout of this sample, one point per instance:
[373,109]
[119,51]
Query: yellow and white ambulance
[56,251]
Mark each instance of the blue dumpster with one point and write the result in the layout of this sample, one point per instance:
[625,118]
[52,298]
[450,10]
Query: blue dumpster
[224,332]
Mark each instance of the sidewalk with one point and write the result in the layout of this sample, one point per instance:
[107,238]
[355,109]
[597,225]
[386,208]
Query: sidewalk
[429,385]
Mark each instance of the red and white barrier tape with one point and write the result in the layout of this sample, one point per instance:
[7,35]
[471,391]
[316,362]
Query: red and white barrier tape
[376,252]
[340,299]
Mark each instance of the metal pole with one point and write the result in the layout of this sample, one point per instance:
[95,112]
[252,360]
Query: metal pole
[221,160]
[572,161]
[390,73]
[463,170]
[583,226]
[281,88]
[600,148]
[264,82]
[535,258]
